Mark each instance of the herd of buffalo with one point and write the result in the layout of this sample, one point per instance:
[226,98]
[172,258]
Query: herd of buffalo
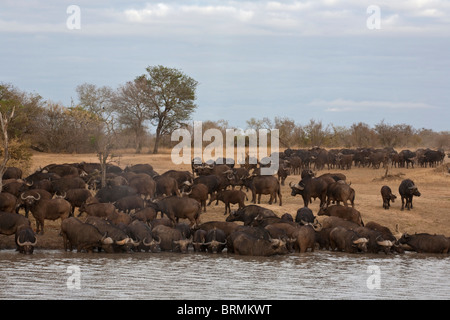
[122,215]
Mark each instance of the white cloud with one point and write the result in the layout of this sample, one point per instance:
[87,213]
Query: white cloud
[343,105]
[300,18]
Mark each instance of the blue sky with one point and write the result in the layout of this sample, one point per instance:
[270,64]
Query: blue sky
[304,60]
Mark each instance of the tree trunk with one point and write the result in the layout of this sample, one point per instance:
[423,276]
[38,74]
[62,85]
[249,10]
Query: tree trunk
[155,148]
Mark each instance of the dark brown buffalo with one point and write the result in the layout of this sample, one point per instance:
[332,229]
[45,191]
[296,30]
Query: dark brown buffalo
[346,240]
[126,204]
[145,215]
[25,239]
[12,223]
[407,190]
[215,240]
[376,242]
[332,222]
[166,186]
[305,238]
[182,177]
[12,173]
[8,202]
[141,168]
[15,187]
[345,161]
[264,185]
[245,244]
[340,191]
[230,197]
[62,170]
[63,184]
[112,194]
[346,213]
[198,192]
[305,216]
[142,235]
[83,236]
[143,184]
[94,208]
[180,207]
[121,241]
[248,213]
[47,209]
[171,239]
[310,187]
[198,241]
[77,197]
[426,243]
[43,194]
[387,234]
[387,196]
[211,181]
[227,227]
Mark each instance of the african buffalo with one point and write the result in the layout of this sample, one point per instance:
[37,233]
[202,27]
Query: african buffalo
[47,209]
[180,207]
[83,236]
[264,185]
[245,244]
[346,213]
[141,233]
[12,223]
[340,191]
[112,194]
[128,203]
[387,196]
[347,240]
[215,240]
[230,197]
[248,213]
[426,243]
[310,187]
[171,239]
[198,241]
[122,242]
[198,192]
[407,190]
[305,238]
[25,239]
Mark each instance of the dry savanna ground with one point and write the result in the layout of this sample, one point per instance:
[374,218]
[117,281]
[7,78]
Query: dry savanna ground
[431,212]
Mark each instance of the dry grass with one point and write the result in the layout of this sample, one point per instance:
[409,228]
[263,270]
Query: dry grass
[431,211]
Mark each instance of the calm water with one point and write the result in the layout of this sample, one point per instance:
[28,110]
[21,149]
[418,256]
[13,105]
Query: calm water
[317,275]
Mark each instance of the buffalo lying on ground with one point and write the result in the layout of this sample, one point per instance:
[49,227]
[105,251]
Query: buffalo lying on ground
[346,213]
[426,243]
[248,213]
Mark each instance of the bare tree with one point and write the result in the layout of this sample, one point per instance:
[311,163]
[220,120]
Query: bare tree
[132,103]
[4,122]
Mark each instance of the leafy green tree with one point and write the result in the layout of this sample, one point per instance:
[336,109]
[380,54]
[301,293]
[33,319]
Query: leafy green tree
[172,102]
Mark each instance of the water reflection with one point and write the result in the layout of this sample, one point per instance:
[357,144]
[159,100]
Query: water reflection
[318,275]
